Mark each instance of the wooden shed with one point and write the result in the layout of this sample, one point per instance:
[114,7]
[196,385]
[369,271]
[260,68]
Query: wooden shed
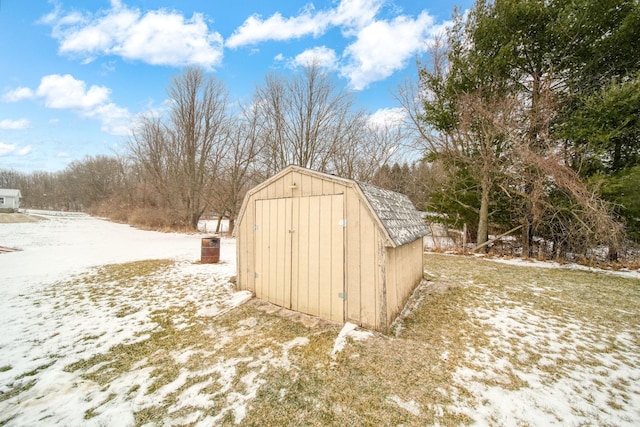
[330,247]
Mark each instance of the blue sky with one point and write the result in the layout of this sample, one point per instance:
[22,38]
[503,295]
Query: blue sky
[74,74]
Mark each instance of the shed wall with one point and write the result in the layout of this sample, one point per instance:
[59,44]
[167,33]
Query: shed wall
[364,267]
[10,202]
[306,185]
[404,272]
[364,250]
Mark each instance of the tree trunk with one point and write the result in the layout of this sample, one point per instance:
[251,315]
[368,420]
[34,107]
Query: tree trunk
[483,220]
[526,242]
[464,238]
[194,218]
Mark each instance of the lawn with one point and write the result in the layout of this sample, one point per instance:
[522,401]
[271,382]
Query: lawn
[169,342]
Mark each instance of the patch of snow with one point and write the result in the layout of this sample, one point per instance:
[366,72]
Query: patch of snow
[237,299]
[411,406]
[630,274]
[50,322]
[530,262]
[566,385]
[249,322]
[192,396]
[348,331]
[413,302]
[283,362]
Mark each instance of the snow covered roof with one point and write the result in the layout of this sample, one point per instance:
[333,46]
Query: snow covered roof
[403,222]
[7,192]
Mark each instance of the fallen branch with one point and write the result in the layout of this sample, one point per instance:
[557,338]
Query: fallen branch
[497,238]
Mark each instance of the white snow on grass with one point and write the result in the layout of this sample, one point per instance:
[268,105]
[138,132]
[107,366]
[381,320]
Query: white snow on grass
[410,406]
[348,331]
[628,273]
[52,318]
[86,342]
[550,371]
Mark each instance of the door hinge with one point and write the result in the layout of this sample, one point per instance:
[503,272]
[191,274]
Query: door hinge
[342,295]
[255,227]
[255,274]
[342,223]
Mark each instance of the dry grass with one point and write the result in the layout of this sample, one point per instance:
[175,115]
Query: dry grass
[477,325]
[13,218]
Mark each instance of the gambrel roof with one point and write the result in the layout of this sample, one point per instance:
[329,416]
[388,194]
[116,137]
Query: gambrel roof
[393,212]
[403,222]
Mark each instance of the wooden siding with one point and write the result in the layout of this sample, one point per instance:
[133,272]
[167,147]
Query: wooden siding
[299,253]
[402,275]
[281,187]
[364,278]
[353,259]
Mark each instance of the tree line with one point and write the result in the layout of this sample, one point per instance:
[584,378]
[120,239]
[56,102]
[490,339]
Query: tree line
[200,156]
[524,116]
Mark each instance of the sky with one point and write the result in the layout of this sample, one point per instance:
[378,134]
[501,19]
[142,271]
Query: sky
[75,74]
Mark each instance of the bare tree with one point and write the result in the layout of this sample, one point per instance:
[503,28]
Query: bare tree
[182,152]
[366,148]
[304,120]
[239,170]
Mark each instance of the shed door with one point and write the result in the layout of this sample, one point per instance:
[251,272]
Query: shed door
[299,254]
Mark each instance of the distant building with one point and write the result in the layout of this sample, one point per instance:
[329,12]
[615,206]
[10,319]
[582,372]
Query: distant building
[330,247]
[9,200]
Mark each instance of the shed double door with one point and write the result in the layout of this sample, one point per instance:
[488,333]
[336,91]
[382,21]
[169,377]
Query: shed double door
[299,254]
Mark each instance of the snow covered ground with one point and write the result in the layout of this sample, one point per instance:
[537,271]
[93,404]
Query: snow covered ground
[84,342]
[48,323]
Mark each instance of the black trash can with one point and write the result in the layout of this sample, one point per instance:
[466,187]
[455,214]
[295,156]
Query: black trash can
[210,250]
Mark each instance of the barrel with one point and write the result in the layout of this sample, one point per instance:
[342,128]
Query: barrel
[210,250]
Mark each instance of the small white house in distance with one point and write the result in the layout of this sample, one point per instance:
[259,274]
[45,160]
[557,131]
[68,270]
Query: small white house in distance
[330,247]
[9,200]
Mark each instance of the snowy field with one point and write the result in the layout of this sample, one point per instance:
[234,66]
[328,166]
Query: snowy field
[46,326]
[107,325]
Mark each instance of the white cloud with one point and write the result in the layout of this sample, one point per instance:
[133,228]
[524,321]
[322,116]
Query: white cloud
[158,37]
[68,93]
[14,124]
[356,14]
[24,151]
[309,22]
[115,120]
[255,30]
[383,47]
[19,94]
[387,117]
[6,148]
[322,56]
[13,150]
